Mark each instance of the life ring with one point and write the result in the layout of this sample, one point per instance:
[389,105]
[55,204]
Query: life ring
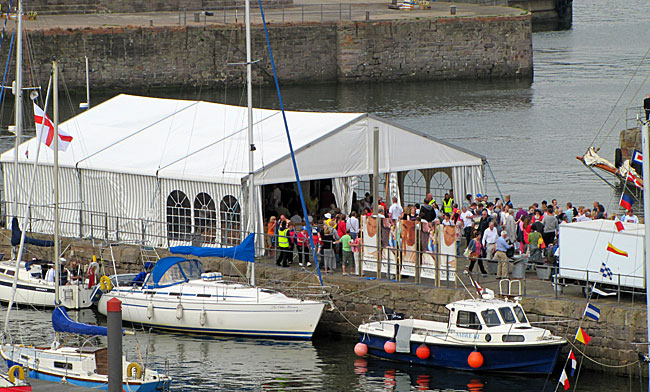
[105,283]
[129,370]
[12,373]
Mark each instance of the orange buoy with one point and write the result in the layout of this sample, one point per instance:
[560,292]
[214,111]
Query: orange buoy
[475,360]
[361,349]
[423,351]
[390,347]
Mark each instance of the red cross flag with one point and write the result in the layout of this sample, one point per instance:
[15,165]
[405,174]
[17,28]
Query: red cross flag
[45,130]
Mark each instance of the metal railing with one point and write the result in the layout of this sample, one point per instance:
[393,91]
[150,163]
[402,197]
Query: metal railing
[631,115]
[293,13]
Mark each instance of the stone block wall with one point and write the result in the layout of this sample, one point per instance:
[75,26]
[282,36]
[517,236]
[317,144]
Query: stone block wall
[121,6]
[436,49]
[629,140]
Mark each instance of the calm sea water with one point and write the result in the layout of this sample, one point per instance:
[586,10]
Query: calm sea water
[529,130]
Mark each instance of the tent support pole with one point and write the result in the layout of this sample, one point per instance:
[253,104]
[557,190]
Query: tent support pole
[494,179]
[375,194]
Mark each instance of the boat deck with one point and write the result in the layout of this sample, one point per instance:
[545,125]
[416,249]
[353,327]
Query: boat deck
[46,386]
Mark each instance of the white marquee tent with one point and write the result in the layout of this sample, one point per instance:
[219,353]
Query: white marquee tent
[132,155]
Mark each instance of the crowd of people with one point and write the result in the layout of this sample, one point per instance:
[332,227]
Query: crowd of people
[489,229]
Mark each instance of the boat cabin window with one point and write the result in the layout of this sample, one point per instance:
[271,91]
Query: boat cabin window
[490,317]
[468,320]
[521,316]
[506,315]
[62,365]
[172,276]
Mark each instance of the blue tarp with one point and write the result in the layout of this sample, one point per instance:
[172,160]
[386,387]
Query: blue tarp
[61,322]
[244,251]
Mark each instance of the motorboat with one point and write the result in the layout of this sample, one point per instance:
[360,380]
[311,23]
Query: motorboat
[484,333]
[178,296]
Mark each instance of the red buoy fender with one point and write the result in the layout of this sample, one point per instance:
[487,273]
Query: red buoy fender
[361,349]
[475,360]
[423,351]
[390,347]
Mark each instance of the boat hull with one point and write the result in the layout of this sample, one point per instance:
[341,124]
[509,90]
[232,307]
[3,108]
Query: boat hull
[526,359]
[288,318]
[40,294]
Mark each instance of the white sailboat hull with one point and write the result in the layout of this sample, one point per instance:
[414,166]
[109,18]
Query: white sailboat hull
[218,308]
[39,293]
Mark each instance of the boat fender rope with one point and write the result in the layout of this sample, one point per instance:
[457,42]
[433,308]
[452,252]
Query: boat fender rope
[133,366]
[105,283]
[12,373]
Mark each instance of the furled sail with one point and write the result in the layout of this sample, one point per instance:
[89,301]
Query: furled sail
[244,251]
[16,233]
[61,322]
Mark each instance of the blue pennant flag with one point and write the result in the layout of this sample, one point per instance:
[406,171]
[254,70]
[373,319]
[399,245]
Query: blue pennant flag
[592,312]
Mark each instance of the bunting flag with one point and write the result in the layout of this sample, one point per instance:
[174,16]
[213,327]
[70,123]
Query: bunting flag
[592,312]
[626,201]
[598,291]
[582,336]
[637,157]
[619,225]
[574,362]
[606,271]
[564,380]
[615,250]
[45,130]
[636,181]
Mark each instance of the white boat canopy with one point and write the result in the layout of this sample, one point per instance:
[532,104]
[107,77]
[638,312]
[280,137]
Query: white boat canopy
[130,153]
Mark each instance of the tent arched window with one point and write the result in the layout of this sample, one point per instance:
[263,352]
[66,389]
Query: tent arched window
[205,217]
[440,184]
[414,187]
[230,214]
[179,216]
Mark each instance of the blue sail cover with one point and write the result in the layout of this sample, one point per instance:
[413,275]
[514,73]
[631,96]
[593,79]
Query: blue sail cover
[61,322]
[16,234]
[244,251]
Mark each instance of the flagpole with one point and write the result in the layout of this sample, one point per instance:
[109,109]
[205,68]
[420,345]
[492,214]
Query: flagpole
[646,219]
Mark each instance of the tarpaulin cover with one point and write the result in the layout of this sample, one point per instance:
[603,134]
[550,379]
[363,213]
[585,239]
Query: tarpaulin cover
[16,233]
[61,322]
[244,251]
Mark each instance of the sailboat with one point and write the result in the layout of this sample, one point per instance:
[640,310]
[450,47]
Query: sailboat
[176,295]
[84,366]
[31,287]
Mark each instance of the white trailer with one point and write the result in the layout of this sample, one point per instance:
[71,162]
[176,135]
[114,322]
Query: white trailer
[583,250]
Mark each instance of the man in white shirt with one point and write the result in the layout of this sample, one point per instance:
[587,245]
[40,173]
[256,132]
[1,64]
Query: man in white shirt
[396,211]
[629,217]
[353,225]
[490,237]
[468,221]
[49,276]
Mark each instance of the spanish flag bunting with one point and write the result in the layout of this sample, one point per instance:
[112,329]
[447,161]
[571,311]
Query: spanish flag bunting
[615,250]
[582,336]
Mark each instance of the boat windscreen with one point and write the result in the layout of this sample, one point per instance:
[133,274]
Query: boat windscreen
[192,269]
[172,276]
[491,318]
[506,315]
[521,316]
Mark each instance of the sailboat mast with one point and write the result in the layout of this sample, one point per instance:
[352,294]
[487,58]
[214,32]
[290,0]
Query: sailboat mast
[55,101]
[645,149]
[19,99]
[251,149]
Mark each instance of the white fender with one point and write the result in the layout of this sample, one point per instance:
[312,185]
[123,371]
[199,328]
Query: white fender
[179,311]
[203,318]
[150,310]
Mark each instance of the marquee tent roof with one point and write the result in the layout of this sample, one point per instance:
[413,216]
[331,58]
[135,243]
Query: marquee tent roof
[204,141]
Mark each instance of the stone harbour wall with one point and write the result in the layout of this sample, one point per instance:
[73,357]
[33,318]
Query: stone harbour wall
[367,51]
[121,6]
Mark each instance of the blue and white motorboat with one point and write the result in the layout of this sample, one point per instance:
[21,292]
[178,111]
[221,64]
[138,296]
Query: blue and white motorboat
[485,334]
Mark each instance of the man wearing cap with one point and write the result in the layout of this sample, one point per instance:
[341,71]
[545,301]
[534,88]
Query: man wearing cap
[502,247]
[479,200]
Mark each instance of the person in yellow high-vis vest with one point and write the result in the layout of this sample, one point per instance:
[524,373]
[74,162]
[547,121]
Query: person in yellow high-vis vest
[447,204]
[283,245]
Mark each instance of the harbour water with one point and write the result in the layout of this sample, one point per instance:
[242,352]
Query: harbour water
[529,130]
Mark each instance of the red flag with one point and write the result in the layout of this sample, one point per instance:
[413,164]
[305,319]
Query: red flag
[637,182]
[564,380]
[574,362]
[45,130]
[619,226]
[582,336]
